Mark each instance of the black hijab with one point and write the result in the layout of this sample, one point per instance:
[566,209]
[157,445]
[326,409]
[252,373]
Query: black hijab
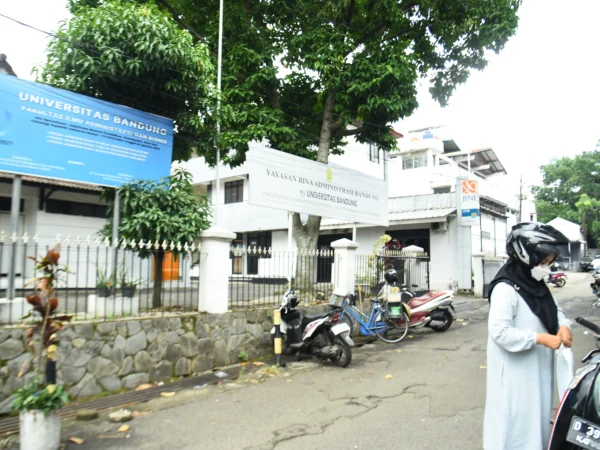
[535,293]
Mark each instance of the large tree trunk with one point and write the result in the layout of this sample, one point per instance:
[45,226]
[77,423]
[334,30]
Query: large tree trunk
[159,257]
[307,234]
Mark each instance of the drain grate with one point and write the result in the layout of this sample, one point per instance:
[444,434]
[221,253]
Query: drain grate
[10,425]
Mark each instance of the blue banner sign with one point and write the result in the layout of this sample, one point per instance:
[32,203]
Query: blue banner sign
[53,133]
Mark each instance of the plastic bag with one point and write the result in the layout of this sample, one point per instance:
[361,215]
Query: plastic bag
[564,369]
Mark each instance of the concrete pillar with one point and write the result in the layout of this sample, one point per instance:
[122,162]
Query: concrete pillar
[478,274]
[345,261]
[214,270]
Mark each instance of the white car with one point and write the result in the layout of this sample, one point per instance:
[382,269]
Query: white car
[596,263]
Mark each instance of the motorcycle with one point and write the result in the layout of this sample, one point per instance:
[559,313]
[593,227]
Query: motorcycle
[317,335]
[424,308]
[577,421]
[558,279]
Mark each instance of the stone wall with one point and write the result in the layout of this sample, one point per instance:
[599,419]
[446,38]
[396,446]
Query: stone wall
[112,356]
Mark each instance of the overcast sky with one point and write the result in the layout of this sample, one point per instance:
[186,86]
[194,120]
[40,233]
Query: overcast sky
[538,99]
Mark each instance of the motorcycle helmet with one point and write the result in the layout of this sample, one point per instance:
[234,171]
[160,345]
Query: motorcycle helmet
[391,276]
[532,242]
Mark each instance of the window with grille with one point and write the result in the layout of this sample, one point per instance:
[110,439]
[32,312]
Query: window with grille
[75,208]
[373,153]
[234,191]
[414,161]
[262,239]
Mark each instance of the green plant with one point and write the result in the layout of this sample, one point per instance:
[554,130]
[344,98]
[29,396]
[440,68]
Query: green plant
[36,396]
[124,279]
[43,393]
[243,356]
[103,281]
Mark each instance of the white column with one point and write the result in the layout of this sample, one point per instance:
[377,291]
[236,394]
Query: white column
[478,274]
[345,264]
[214,270]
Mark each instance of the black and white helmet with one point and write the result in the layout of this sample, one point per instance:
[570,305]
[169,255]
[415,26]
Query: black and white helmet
[531,242]
[391,276]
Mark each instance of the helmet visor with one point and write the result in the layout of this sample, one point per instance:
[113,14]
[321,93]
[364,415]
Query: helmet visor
[545,251]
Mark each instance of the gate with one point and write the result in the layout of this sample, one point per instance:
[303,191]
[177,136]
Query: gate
[413,270]
[491,267]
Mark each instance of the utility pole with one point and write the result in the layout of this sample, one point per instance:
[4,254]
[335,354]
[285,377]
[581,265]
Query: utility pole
[521,200]
[219,68]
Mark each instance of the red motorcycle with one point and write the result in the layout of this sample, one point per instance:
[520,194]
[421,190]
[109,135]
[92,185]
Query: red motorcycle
[558,279]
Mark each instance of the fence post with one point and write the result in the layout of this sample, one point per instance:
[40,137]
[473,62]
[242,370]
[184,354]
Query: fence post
[214,270]
[478,274]
[345,258]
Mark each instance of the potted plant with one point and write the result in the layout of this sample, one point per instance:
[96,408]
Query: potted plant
[105,286]
[128,286]
[38,402]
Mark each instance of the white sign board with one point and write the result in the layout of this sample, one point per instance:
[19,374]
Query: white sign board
[468,202]
[283,181]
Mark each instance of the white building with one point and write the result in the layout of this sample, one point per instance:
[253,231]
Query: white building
[422,179]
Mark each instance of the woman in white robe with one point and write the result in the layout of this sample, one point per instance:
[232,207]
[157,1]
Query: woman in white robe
[525,325]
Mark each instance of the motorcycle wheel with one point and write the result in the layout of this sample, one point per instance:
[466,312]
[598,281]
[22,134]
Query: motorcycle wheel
[396,330]
[346,355]
[447,322]
[560,282]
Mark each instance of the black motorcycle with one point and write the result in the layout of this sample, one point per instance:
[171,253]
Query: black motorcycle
[319,335]
[577,422]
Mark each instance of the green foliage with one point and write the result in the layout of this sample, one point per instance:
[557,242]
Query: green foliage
[135,55]
[35,396]
[243,356]
[571,190]
[168,210]
[345,62]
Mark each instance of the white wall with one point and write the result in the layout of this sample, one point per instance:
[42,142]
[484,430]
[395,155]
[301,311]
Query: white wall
[443,267]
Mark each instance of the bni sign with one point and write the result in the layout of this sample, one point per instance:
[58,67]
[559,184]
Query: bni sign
[468,203]
[282,181]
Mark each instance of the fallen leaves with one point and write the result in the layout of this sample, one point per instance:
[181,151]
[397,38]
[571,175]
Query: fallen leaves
[124,429]
[143,387]
[388,377]
[76,440]
[167,394]
[258,363]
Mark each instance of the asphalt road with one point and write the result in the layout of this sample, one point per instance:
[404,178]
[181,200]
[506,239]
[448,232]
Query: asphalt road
[426,392]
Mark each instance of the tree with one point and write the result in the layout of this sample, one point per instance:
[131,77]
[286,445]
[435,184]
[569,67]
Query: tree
[135,55]
[571,190]
[165,211]
[300,72]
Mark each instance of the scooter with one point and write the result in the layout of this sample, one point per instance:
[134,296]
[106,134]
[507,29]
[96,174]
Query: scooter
[577,421]
[425,308]
[558,279]
[318,335]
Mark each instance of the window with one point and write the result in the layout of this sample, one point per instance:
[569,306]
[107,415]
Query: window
[373,153]
[209,191]
[234,191]
[6,204]
[75,208]
[262,239]
[441,190]
[414,161]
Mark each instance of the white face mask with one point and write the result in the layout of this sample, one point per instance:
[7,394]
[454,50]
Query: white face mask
[539,272]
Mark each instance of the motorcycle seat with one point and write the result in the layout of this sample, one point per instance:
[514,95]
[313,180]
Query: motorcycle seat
[306,318]
[415,302]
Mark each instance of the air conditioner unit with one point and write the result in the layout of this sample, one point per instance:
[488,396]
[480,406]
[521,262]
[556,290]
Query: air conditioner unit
[439,227]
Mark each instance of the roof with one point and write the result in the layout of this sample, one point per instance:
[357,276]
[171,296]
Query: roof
[51,182]
[481,158]
[5,67]
[570,229]
[423,214]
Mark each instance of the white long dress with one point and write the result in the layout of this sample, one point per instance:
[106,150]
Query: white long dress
[520,375]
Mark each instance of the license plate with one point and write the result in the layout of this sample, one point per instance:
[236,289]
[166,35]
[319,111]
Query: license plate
[584,434]
[340,328]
